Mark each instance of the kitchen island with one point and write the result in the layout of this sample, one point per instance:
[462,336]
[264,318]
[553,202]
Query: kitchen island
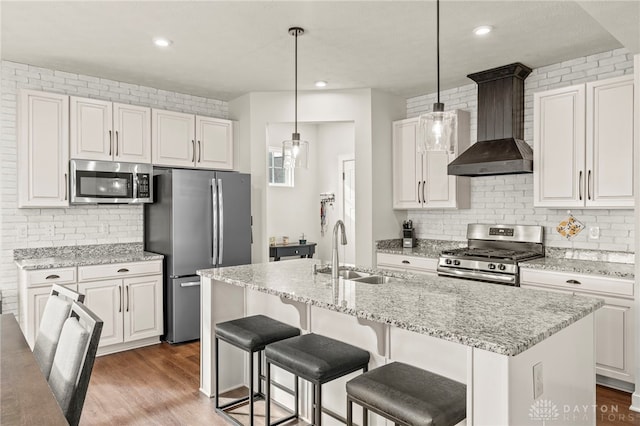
[487,336]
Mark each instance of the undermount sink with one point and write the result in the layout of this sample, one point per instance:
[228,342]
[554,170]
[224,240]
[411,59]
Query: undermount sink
[348,274]
[373,279]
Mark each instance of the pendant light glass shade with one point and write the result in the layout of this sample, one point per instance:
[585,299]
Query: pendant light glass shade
[437,131]
[437,128]
[295,152]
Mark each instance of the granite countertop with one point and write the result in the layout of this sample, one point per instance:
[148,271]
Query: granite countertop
[423,248]
[612,264]
[501,319]
[591,267]
[68,256]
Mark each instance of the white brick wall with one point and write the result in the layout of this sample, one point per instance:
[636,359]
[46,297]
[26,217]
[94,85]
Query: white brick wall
[509,199]
[77,224]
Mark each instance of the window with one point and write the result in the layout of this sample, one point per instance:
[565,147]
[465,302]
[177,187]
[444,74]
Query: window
[278,176]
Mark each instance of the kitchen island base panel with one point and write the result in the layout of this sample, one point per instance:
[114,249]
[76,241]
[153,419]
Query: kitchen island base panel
[568,379]
[499,387]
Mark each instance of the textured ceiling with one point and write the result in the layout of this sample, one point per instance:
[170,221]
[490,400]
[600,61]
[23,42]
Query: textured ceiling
[224,49]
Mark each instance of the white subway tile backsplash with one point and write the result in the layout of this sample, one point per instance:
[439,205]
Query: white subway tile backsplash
[77,224]
[510,198]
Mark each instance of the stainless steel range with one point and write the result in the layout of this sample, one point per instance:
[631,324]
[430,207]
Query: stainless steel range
[493,253]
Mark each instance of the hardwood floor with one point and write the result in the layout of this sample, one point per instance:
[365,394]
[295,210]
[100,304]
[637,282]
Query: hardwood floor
[159,385]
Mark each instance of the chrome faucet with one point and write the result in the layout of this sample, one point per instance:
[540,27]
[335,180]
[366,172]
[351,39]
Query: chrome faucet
[335,263]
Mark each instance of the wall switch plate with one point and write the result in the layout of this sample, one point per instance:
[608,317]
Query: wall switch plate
[23,231]
[538,388]
[594,232]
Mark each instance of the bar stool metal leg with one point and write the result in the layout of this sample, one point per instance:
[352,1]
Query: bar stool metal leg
[251,396]
[318,412]
[216,354]
[349,412]
[267,402]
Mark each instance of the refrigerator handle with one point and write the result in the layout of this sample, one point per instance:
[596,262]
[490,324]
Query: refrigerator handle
[221,245]
[214,221]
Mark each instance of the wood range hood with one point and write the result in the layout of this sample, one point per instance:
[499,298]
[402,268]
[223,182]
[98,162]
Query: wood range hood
[501,148]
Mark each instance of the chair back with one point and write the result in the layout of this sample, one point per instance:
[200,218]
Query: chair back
[55,313]
[74,359]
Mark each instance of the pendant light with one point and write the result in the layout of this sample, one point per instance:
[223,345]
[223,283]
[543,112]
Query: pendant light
[295,152]
[438,126]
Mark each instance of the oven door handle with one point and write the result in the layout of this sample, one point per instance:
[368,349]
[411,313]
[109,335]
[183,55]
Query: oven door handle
[508,279]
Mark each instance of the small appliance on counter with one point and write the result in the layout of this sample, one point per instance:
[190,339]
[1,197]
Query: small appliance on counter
[408,234]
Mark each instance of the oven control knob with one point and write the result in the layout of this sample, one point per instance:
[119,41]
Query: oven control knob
[492,266]
[502,267]
[456,262]
[447,261]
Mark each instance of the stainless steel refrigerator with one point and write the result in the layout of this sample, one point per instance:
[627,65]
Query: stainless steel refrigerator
[199,219]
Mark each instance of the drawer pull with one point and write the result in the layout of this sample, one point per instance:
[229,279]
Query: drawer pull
[52,277]
[576,282]
[123,270]
[406,262]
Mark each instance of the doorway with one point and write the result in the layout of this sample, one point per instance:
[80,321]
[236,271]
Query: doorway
[348,171]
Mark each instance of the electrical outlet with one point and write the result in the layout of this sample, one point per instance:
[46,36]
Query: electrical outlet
[103,228]
[594,232]
[538,388]
[23,231]
[48,230]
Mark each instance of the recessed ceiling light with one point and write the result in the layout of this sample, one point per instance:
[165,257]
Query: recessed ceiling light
[484,29]
[321,83]
[162,42]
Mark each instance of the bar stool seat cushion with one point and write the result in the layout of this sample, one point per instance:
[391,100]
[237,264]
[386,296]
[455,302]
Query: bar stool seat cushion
[255,332]
[410,394]
[316,358]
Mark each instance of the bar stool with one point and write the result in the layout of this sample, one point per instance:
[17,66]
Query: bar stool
[250,334]
[317,359]
[408,396]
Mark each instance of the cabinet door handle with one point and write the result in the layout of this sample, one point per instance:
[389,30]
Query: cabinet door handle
[424,183]
[123,270]
[589,184]
[110,141]
[127,298]
[120,297]
[576,282]
[580,185]
[117,143]
[419,202]
[406,262]
[66,187]
[199,152]
[52,277]
[193,157]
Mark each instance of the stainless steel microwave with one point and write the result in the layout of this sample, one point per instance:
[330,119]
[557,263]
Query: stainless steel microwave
[106,182]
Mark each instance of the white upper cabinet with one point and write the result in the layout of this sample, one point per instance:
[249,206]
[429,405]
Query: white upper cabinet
[107,131]
[173,138]
[610,110]
[132,133]
[407,165]
[186,140]
[420,179]
[43,149]
[583,145]
[214,141]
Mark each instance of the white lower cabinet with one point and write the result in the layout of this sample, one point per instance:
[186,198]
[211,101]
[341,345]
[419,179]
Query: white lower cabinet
[126,296]
[404,263]
[614,326]
[131,306]
[34,288]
